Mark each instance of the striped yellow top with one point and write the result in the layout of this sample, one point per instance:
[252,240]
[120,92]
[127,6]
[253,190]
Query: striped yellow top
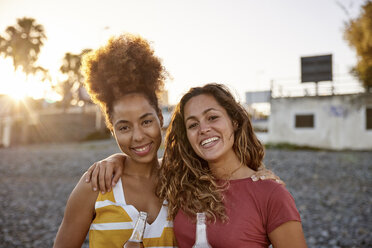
[115,220]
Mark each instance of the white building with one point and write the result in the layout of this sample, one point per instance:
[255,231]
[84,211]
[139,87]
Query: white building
[332,122]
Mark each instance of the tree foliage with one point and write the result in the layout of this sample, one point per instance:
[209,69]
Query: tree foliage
[358,33]
[71,87]
[22,43]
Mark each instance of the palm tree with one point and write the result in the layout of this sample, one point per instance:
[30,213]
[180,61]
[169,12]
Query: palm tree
[22,43]
[71,87]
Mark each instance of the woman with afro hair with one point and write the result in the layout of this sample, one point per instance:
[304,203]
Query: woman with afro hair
[123,78]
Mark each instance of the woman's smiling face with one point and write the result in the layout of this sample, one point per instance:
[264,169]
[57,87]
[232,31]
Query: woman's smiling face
[209,128]
[137,127]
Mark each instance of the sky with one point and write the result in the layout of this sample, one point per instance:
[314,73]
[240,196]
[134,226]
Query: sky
[242,43]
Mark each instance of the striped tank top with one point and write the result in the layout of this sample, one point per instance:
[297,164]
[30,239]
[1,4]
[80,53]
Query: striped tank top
[114,222]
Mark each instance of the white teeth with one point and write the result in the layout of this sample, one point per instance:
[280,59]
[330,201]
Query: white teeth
[141,149]
[207,141]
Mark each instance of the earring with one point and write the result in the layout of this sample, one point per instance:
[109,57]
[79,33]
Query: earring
[236,125]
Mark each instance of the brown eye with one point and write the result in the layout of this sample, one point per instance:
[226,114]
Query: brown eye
[124,128]
[193,125]
[213,117]
[147,122]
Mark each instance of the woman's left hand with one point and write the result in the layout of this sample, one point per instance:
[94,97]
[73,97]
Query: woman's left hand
[265,174]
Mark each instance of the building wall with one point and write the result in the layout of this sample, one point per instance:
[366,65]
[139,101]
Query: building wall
[58,128]
[339,121]
[51,126]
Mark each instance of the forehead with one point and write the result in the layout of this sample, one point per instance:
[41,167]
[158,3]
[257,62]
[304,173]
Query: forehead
[199,104]
[131,105]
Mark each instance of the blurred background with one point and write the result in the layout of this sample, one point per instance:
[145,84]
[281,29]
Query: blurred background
[302,69]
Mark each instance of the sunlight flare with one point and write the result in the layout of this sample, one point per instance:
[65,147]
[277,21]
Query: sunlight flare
[19,86]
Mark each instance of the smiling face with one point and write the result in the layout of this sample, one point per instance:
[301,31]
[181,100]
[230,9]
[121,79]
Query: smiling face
[209,128]
[136,127]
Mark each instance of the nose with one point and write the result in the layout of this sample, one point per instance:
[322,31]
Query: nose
[137,134]
[204,128]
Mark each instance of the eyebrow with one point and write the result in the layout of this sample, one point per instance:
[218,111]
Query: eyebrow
[204,112]
[119,122]
[141,117]
[145,115]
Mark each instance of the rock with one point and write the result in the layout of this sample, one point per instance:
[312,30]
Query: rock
[331,190]
[324,233]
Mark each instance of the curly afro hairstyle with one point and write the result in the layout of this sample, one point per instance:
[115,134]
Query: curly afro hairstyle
[126,64]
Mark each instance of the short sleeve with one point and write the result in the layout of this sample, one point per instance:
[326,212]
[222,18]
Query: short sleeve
[281,208]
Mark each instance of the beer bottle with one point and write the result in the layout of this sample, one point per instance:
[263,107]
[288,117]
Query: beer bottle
[135,241]
[201,240]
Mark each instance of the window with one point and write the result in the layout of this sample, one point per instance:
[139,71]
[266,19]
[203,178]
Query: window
[304,121]
[369,118]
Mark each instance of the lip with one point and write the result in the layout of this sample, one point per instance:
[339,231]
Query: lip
[213,141]
[142,150]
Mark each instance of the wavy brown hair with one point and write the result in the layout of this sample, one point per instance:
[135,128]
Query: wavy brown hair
[185,179]
[126,64]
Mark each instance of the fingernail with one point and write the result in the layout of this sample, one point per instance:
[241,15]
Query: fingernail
[86,180]
[108,190]
[262,177]
[254,178]
[103,192]
[113,184]
[94,189]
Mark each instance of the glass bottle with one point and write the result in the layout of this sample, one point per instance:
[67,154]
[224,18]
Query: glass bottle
[201,240]
[136,240]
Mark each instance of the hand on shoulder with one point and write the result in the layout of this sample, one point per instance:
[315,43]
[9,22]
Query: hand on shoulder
[265,174]
[104,174]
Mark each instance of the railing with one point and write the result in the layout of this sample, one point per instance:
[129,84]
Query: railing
[292,87]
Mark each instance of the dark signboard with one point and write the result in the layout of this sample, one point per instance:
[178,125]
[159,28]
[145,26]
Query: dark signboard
[316,68]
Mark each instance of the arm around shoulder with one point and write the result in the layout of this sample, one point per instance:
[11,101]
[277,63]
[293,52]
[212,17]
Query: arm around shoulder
[78,216]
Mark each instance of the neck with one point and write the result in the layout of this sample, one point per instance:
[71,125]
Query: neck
[230,168]
[224,168]
[145,170]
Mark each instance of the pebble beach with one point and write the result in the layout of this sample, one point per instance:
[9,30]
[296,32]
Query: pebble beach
[332,191]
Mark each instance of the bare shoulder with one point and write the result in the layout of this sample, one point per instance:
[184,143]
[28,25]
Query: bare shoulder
[82,197]
[78,216]
[84,189]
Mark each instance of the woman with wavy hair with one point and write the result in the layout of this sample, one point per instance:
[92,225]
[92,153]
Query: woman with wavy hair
[211,152]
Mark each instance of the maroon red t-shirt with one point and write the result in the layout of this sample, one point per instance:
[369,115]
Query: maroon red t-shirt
[254,210]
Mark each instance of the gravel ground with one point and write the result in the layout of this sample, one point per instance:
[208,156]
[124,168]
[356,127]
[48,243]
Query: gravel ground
[332,191]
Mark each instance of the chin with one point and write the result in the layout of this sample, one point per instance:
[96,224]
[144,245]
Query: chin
[145,159]
[210,158]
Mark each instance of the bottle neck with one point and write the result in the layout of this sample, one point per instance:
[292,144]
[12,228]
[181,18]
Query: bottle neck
[201,234]
[201,230]
[139,228]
